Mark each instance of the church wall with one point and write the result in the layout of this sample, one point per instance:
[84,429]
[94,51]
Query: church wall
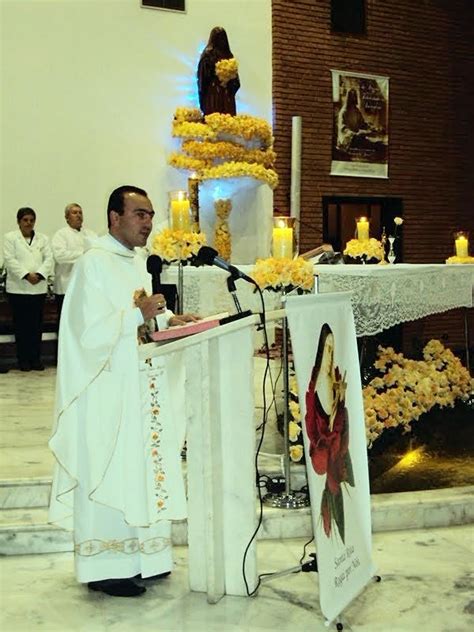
[88,94]
[426,50]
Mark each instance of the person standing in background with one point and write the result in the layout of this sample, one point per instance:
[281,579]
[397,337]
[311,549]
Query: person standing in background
[28,261]
[68,244]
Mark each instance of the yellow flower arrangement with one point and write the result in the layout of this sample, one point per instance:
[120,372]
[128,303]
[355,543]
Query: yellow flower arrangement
[185,129]
[206,150]
[222,240]
[408,388]
[369,248]
[277,274]
[189,115]
[186,162]
[243,125]
[239,170]
[224,146]
[226,69]
[296,452]
[457,260]
[177,245]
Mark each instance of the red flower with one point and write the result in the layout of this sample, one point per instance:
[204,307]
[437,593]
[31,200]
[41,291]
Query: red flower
[328,447]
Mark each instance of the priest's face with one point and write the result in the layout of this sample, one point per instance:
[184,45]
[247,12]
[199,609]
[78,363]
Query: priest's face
[133,227]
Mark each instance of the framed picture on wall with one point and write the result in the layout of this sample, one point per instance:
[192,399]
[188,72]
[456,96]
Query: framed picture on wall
[360,125]
[169,5]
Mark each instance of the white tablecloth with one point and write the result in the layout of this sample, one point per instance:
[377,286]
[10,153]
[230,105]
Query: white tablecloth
[382,296]
[206,293]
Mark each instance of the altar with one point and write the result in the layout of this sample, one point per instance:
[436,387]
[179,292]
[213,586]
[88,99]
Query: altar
[381,296]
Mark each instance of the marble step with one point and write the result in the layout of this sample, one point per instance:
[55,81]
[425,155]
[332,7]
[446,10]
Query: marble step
[21,493]
[35,492]
[26,531]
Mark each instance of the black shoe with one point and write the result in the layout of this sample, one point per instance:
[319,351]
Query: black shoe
[3,369]
[24,366]
[37,366]
[117,587]
[153,577]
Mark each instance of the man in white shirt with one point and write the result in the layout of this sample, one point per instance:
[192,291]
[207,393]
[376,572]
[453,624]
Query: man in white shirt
[117,481]
[29,262]
[68,244]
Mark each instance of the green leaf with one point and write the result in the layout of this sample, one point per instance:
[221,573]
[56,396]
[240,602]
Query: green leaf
[349,470]
[337,510]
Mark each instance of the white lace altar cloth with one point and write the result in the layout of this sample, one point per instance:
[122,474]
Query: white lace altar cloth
[384,296]
[206,293]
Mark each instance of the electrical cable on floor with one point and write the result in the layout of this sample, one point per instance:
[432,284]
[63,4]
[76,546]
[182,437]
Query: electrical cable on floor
[257,473]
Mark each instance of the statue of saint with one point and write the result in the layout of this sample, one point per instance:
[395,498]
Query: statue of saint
[216,94]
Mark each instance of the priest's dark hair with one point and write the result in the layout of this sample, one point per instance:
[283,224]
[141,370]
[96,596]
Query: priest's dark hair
[116,199]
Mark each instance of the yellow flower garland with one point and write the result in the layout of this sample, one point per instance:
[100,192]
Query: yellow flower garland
[207,150]
[186,162]
[277,274]
[190,115]
[244,125]
[239,170]
[222,239]
[185,129]
[177,245]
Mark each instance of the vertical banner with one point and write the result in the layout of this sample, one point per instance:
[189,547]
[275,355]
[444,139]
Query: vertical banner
[327,370]
[360,125]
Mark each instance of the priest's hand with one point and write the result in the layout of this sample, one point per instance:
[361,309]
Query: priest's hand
[151,306]
[182,319]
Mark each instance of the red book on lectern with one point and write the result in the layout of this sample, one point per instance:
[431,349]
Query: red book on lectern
[187,330]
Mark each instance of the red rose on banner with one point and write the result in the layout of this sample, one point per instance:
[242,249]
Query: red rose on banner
[328,436]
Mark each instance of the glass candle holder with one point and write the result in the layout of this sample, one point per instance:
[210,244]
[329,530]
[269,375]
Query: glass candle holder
[179,211]
[193,191]
[461,243]
[283,237]
[362,224]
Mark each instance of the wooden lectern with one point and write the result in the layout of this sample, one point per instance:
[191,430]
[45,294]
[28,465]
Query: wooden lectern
[216,396]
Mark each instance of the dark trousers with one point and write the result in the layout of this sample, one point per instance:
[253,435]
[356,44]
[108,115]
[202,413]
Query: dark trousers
[27,311]
[59,305]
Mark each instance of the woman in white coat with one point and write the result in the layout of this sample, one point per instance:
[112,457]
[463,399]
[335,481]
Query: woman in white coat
[29,262]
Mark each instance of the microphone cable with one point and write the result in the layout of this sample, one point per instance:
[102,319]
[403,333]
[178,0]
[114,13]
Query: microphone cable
[260,442]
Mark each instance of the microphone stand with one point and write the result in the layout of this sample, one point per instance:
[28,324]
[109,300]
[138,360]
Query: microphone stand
[288,499]
[180,298]
[232,289]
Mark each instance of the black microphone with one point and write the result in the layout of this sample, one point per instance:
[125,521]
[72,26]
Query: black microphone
[210,257]
[154,265]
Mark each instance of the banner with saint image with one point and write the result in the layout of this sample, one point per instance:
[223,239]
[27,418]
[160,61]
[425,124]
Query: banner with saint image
[327,370]
[360,125]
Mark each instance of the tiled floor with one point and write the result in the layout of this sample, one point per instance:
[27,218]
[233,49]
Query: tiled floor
[427,585]
[427,575]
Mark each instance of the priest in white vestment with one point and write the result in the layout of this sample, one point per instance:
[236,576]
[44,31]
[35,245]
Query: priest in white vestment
[117,480]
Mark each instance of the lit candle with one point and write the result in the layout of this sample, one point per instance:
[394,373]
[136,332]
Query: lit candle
[462,246]
[362,229]
[282,241]
[180,217]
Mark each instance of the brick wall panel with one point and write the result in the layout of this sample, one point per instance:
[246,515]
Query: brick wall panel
[425,47]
